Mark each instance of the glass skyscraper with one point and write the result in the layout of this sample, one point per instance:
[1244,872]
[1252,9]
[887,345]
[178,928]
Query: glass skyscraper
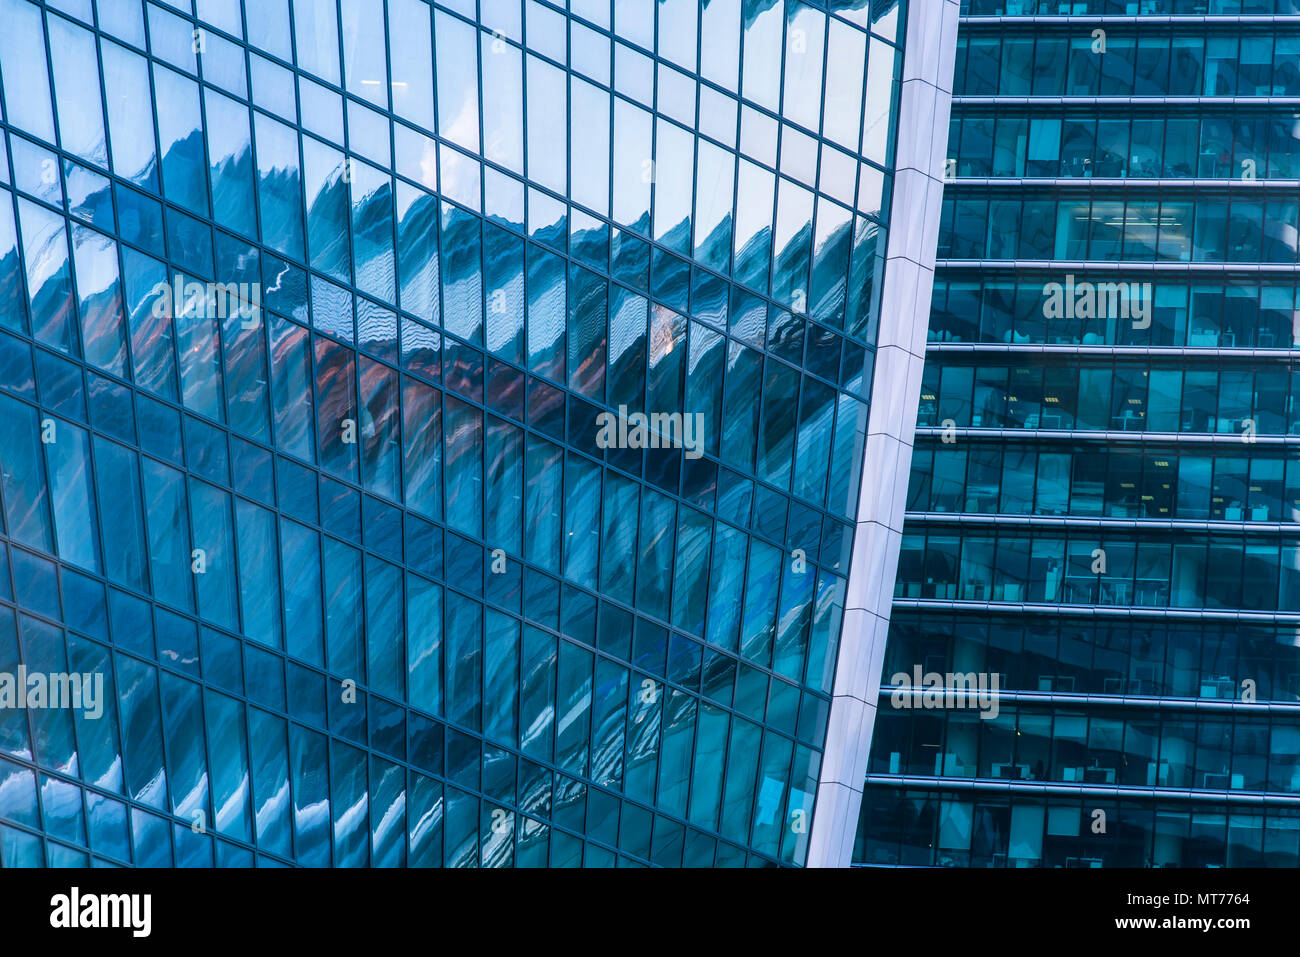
[314,548]
[1105,487]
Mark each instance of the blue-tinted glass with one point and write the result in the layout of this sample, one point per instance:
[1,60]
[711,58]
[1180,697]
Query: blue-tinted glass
[403,397]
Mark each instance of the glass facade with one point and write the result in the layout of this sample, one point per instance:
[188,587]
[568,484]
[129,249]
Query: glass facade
[1105,488]
[308,310]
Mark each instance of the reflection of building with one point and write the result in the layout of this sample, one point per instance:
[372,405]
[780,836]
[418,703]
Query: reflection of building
[363,587]
[1109,525]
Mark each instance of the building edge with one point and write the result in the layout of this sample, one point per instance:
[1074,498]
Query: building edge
[925,99]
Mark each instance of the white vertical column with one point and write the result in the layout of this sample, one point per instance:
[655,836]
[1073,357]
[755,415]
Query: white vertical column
[925,99]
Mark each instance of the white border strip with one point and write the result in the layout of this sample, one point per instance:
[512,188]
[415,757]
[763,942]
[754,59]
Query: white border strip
[925,99]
